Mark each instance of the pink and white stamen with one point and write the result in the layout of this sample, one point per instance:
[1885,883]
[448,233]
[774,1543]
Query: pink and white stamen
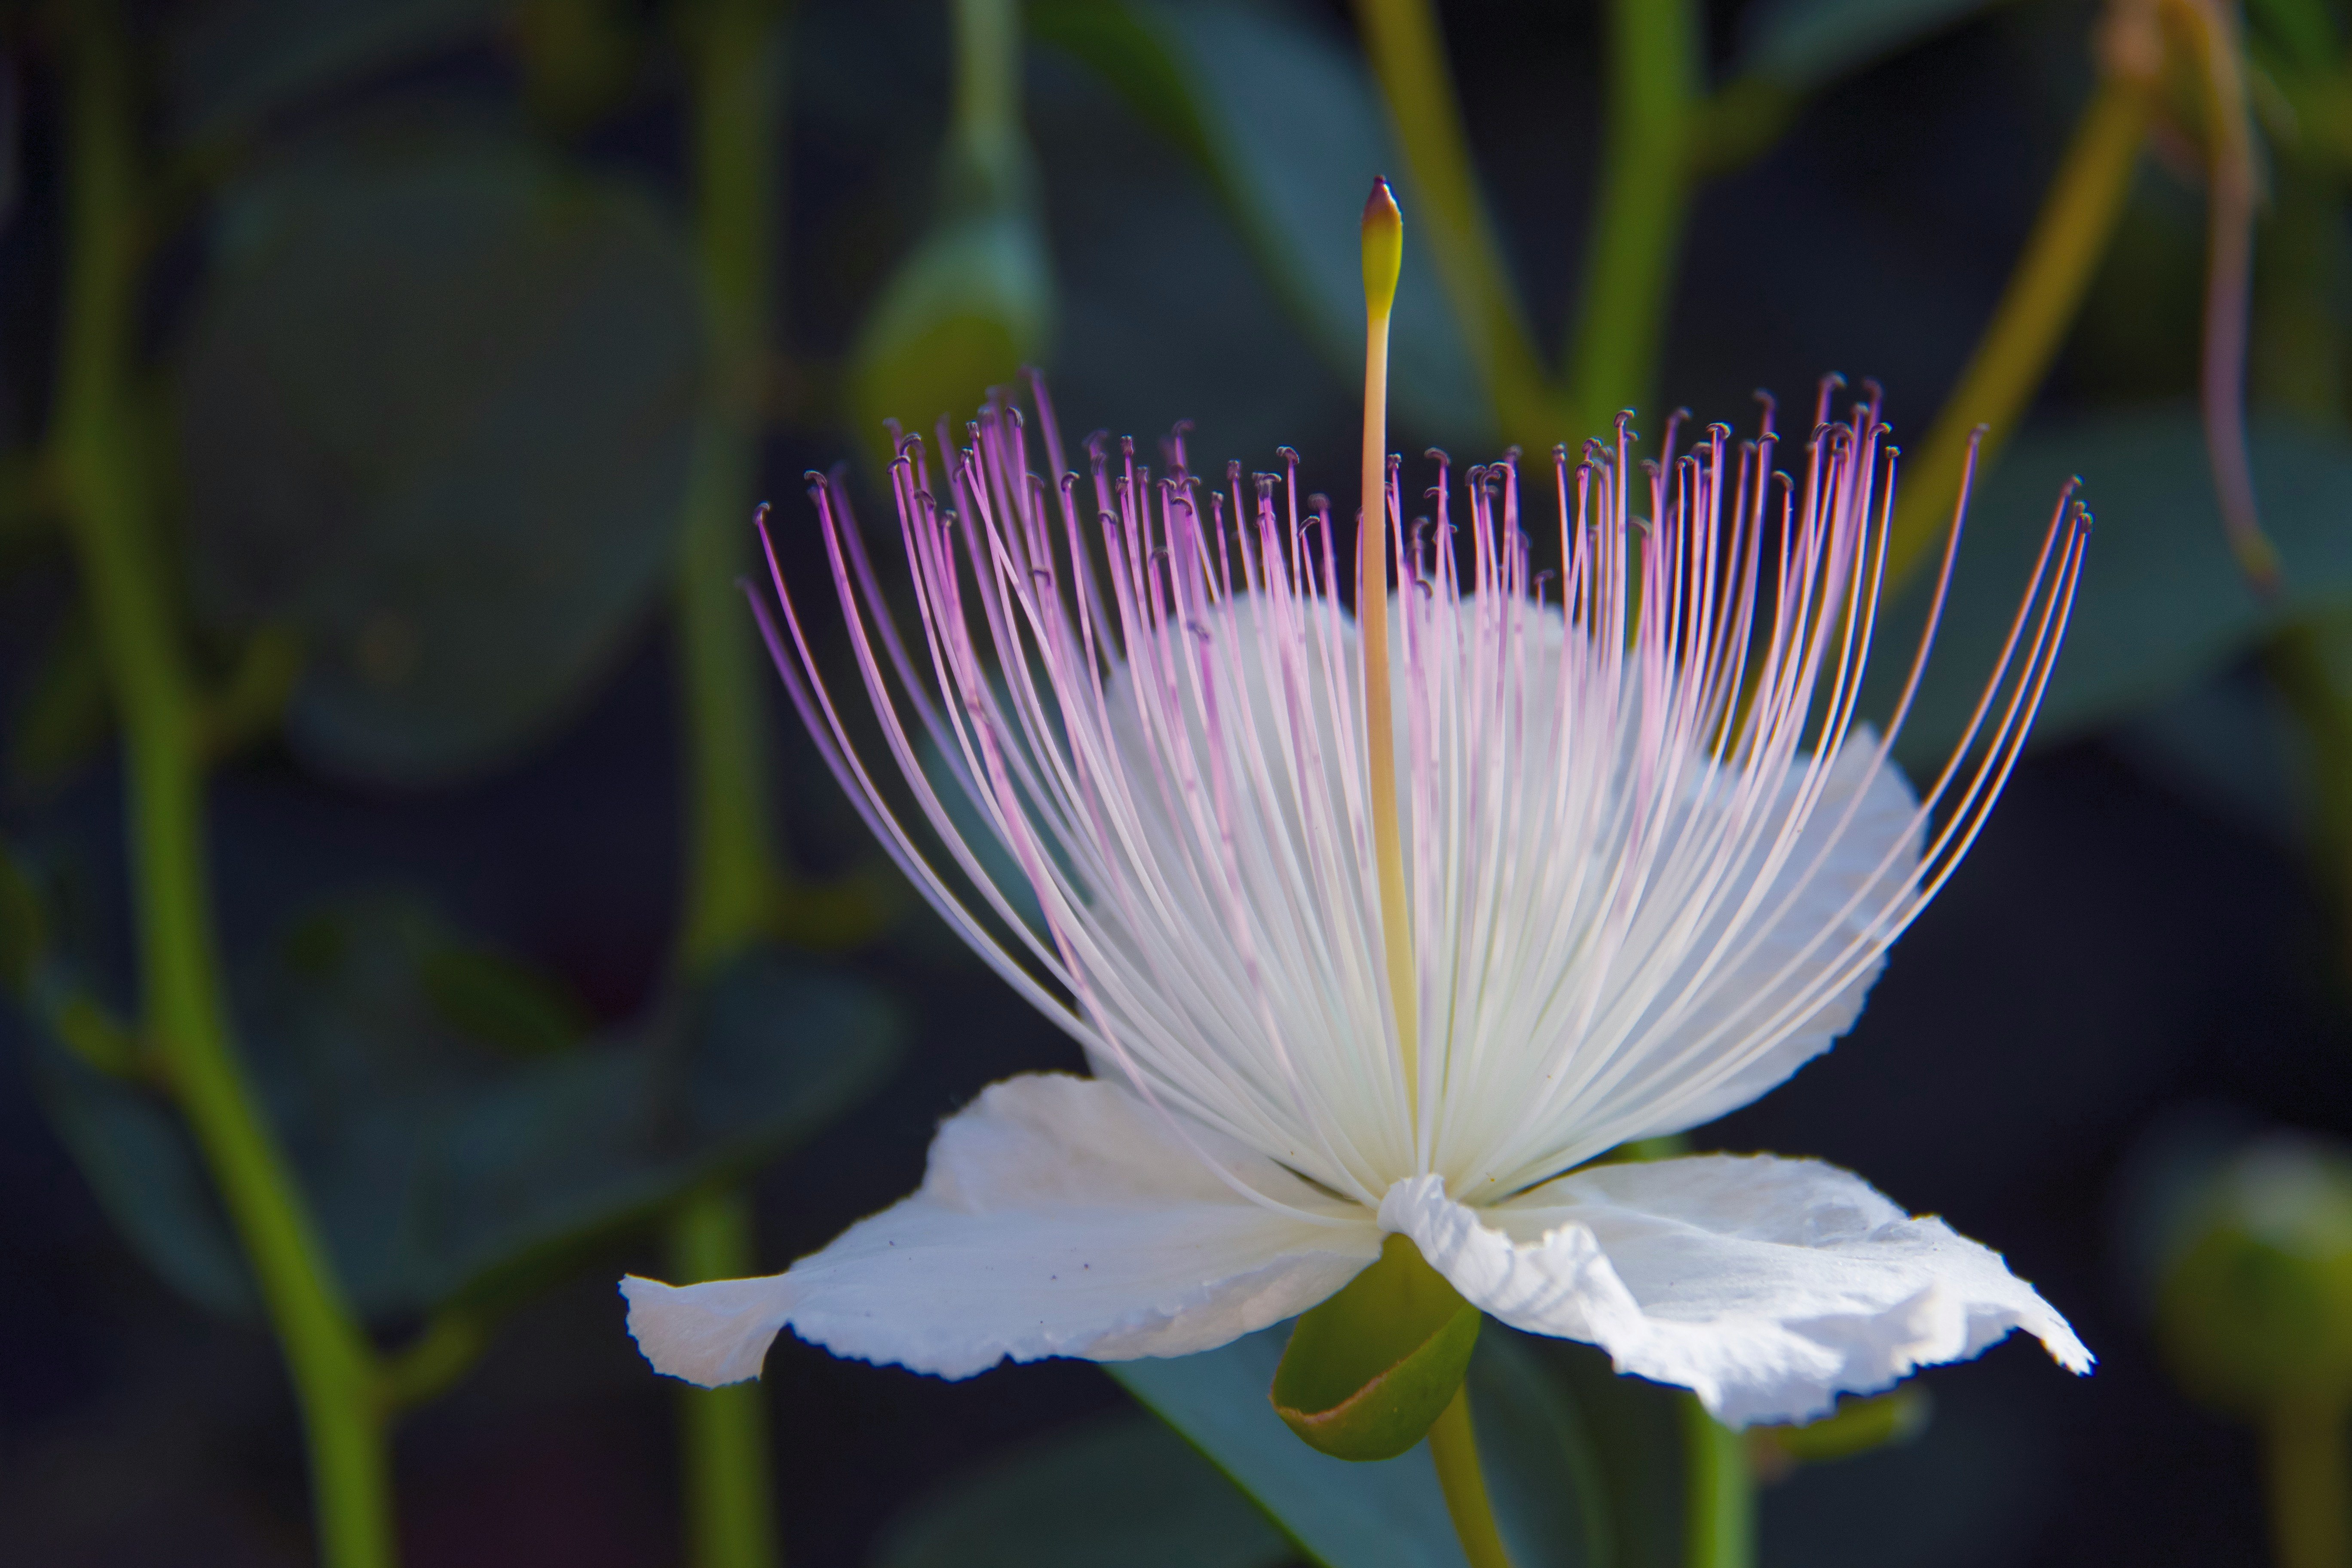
[1654,860]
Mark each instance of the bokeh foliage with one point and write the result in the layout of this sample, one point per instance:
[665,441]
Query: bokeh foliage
[438,334]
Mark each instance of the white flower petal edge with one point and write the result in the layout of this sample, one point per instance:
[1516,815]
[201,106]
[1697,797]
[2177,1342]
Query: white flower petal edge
[1058,1216]
[1768,1287]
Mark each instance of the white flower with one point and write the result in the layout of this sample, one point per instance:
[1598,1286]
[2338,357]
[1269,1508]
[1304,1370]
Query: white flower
[1652,864]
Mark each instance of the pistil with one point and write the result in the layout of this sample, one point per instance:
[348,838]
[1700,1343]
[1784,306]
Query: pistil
[1383,246]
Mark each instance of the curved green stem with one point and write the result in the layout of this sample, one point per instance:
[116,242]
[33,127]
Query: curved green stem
[735,54]
[1653,102]
[2308,1472]
[100,458]
[1453,1449]
[1719,1493]
[2077,220]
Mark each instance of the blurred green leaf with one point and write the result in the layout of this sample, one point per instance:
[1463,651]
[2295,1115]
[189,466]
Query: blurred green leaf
[1285,123]
[436,416]
[1120,1489]
[232,64]
[2162,601]
[1806,44]
[1543,1460]
[1386,1514]
[442,1166]
[1541,1455]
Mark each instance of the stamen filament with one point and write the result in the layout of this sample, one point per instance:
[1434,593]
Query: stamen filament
[1383,246]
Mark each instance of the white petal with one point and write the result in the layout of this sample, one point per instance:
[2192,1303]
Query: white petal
[712,1334]
[1768,1287]
[1059,1216]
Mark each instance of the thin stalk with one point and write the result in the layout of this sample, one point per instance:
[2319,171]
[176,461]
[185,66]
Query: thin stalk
[1408,54]
[1453,1449]
[734,51]
[1648,173]
[100,456]
[1719,1493]
[2308,1469]
[728,1477]
[2077,220]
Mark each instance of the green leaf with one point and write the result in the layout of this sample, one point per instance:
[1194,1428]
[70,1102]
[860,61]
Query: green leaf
[1368,1373]
[435,417]
[443,1165]
[1540,1456]
[233,64]
[2162,601]
[1806,44]
[1555,1467]
[1386,1514]
[1120,1489]
[1285,124]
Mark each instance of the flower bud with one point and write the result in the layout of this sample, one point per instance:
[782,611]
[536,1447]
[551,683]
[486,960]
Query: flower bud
[2254,1307]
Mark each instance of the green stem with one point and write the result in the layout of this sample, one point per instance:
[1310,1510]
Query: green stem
[2311,1512]
[735,48]
[100,458]
[735,53]
[1453,1449]
[730,1521]
[1637,225]
[1719,1495]
[2077,220]
[1408,52]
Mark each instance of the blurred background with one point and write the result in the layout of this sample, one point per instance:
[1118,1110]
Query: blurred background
[385,386]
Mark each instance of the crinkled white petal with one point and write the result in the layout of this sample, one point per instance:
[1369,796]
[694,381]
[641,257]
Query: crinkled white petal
[1768,1287]
[713,1334]
[1059,1216]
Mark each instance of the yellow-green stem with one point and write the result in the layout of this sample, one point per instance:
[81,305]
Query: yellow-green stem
[1637,226]
[735,48]
[2311,1512]
[1383,242]
[100,456]
[1719,1495]
[1408,53]
[2077,220]
[735,53]
[1453,1449]
[726,1473]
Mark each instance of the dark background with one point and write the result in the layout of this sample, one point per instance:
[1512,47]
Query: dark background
[2132,955]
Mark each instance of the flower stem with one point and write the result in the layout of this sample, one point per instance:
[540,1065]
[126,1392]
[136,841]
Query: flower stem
[1653,100]
[2311,1512]
[731,1523]
[2077,220]
[1453,1447]
[1408,52]
[734,49]
[735,54]
[101,458]
[1719,1493]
